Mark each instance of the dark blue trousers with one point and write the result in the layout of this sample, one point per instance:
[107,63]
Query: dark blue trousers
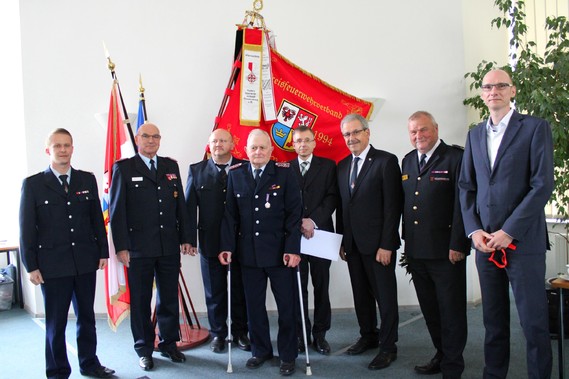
[283,285]
[441,290]
[58,294]
[526,274]
[141,274]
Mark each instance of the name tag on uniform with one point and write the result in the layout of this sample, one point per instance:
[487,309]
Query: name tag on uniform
[137,179]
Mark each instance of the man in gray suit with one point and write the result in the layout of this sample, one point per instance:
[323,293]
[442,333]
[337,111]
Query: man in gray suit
[506,179]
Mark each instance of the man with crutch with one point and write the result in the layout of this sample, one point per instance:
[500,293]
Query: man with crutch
[261,226]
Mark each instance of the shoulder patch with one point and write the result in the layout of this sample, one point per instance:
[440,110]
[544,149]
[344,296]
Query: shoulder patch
[235,166]
[458,147]
[282,164]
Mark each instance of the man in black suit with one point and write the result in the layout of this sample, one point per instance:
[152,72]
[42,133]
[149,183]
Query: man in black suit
[505,182]
[369,181]
[317,180]
[63,242]
[206,189]
[435,243]
[149,223]
[261,227]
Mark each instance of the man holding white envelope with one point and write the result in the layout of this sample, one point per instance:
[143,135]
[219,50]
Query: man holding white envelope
[317,179]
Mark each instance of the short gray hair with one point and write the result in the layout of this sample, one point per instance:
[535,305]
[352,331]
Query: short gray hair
[355,116]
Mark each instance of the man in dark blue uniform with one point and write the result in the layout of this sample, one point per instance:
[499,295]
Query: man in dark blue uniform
[317,179]
[435,243]
[63,242]
[206,189]
[262,227]
[150,227]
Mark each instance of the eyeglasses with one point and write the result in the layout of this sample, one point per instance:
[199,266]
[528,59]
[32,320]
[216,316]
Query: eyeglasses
[149,136]
[499,86]
[353,134]
[300,141]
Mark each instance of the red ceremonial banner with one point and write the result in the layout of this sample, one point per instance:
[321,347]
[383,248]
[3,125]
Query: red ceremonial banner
[300,99]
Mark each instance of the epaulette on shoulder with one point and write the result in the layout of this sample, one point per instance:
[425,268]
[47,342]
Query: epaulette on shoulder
[236,165]
[172,159]
[122,159]
[458,147]
[282,164]
[411,152]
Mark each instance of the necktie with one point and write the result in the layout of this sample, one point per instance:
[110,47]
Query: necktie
[222,173]
[257,175]
[304,167]
[354,174]
[422,161]
[64,184]
[152,168]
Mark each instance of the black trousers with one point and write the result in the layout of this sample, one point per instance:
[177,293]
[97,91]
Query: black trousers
[141,274]
[58,294]
[283,287]
[441,290]
[373,282]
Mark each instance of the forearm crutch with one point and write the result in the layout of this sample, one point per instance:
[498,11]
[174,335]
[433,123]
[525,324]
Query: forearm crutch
[301,301]
[229,335]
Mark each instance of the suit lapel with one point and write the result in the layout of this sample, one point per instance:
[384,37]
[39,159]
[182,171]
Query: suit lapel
[370,158]
[434,158]
[52,182]
[75,182]
[312,172]
[142,168]
[483,142]
[266,175]
[514,126]
[211,171]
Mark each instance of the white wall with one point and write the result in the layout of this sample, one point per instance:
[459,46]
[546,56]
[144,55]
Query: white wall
[412,53]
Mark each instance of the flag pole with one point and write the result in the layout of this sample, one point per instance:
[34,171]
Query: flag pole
[141,97]
[111,67]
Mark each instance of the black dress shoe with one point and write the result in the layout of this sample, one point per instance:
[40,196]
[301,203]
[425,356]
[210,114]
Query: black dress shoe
[287,368]
[431,368]
[146,363]
[257,362]
[242,342]
[98,372]
[217,345]
[321,345]
[175,355]
[361,346]
[301,347]
[382,360]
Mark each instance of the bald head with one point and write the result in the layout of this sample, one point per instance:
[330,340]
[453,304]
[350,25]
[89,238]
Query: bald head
[259,148]
[148,139]
[220,145]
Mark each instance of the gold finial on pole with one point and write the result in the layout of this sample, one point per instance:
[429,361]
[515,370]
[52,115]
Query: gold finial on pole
[253,19]
[110,63]
[140,88]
